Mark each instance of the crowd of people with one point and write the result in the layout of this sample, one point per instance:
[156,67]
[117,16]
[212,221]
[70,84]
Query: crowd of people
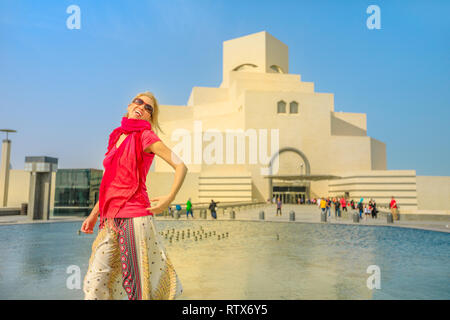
[338,205]
[326,204]
[189,210]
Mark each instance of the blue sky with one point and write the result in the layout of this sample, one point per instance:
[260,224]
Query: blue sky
[65,90]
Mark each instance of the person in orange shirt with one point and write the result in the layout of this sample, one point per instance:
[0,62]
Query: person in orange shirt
[323,204]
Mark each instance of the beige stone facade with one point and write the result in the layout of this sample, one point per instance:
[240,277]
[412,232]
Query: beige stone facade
[315,141]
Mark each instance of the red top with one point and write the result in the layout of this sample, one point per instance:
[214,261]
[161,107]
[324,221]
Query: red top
[137,204]
[393,204]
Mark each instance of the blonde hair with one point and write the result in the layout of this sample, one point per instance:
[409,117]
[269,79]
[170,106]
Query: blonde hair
[154,117]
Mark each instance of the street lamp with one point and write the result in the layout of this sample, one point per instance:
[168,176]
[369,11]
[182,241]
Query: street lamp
[7,131]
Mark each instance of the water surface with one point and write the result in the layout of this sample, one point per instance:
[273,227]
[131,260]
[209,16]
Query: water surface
[258,260]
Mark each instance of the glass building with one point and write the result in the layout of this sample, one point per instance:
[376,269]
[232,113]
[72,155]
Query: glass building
[76,191]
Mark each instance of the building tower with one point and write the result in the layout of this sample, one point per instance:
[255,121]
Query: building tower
[4,169]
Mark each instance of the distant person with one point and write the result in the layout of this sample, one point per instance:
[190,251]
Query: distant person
[394,208]
[323,205]
[366,211]
[170,209]
[352,204]
[273,199]
[374,209]
[328,206]
[344,204]
[189,209]
[278,206]
[360,207]
[212,208]
[178,208]
[337,209]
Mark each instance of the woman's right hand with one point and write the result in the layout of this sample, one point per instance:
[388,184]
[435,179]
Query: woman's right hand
[89,224]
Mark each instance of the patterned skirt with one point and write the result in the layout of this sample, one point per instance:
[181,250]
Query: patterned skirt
[130,262]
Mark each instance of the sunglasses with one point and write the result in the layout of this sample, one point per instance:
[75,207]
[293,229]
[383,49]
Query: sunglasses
[140,102]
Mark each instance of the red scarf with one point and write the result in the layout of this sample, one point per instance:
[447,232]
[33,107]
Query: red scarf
[124,169]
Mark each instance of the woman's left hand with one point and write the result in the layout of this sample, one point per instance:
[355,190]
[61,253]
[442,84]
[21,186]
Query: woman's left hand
[163,204]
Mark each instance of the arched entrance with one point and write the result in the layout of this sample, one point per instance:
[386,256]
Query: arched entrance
[290,190]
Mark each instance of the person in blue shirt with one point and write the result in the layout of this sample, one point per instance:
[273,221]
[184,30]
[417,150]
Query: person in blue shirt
[279,206]
[360,207]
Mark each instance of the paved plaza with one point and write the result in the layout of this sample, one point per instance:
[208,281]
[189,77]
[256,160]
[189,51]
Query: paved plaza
[311,214]
[303,214]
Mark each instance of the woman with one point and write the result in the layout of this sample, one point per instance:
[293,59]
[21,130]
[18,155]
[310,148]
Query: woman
[128,257]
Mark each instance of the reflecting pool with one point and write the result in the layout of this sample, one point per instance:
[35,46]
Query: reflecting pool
[257,260]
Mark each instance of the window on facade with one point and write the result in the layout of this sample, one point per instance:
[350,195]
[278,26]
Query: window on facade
[281,107]
[293,107]
[277,69]
[246,67]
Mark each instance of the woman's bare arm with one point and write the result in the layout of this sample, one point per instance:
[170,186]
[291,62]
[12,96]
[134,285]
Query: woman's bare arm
[162,151]
[89,223]
[95,210]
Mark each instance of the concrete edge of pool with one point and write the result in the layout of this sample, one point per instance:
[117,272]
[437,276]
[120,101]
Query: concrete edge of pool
[419,225]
